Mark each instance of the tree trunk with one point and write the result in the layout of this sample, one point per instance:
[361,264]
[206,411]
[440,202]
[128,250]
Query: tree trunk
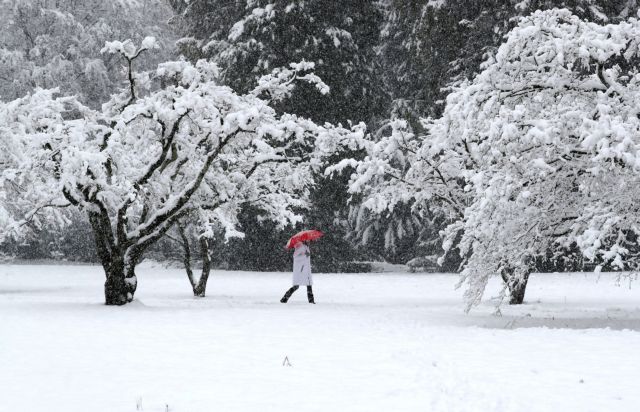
[517,285]
[115,287]
[121,282]
[517,290]
[200,287]
[119,265]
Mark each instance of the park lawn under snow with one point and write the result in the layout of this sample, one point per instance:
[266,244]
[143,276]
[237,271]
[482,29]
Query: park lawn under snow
[374,342]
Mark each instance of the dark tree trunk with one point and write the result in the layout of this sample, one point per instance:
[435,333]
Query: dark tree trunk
[121,283]
[517,285]
[199,287]
[115,287]
[517,290]
[119,265]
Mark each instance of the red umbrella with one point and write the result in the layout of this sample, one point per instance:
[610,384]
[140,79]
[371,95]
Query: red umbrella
[303,236]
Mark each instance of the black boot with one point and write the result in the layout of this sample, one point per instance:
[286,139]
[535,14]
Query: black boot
[310,295]
[287,295]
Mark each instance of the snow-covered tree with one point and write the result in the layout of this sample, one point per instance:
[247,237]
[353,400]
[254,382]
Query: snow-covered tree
[53,43]
[49,43]
[173,145]
[425,48]
[552,130]
[266,193]
[428,45]
[538,152]
[249,38]
[399,194]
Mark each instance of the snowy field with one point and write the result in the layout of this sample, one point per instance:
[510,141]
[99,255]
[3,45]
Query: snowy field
[377,342]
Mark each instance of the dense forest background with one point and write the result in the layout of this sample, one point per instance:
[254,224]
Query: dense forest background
[382,60]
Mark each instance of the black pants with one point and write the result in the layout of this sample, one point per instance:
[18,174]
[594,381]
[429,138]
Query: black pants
[287,295]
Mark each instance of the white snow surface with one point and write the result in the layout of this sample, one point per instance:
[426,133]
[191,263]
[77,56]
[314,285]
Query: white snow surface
[373,342]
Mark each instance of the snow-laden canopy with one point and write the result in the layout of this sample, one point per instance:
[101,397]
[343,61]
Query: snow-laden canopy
[538,152]
[175,144]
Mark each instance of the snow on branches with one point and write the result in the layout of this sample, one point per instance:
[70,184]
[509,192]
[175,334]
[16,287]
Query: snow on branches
[538,152]
[173,145]
[551,129]
[279,84]
[128,49]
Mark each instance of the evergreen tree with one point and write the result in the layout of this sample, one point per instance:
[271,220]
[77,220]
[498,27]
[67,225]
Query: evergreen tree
[248,39]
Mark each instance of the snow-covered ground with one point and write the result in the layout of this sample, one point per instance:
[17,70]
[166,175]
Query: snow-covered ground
[376,342]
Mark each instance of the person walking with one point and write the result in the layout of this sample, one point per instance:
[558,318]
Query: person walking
[301,271]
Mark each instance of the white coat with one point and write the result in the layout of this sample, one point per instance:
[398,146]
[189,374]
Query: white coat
[302,265]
